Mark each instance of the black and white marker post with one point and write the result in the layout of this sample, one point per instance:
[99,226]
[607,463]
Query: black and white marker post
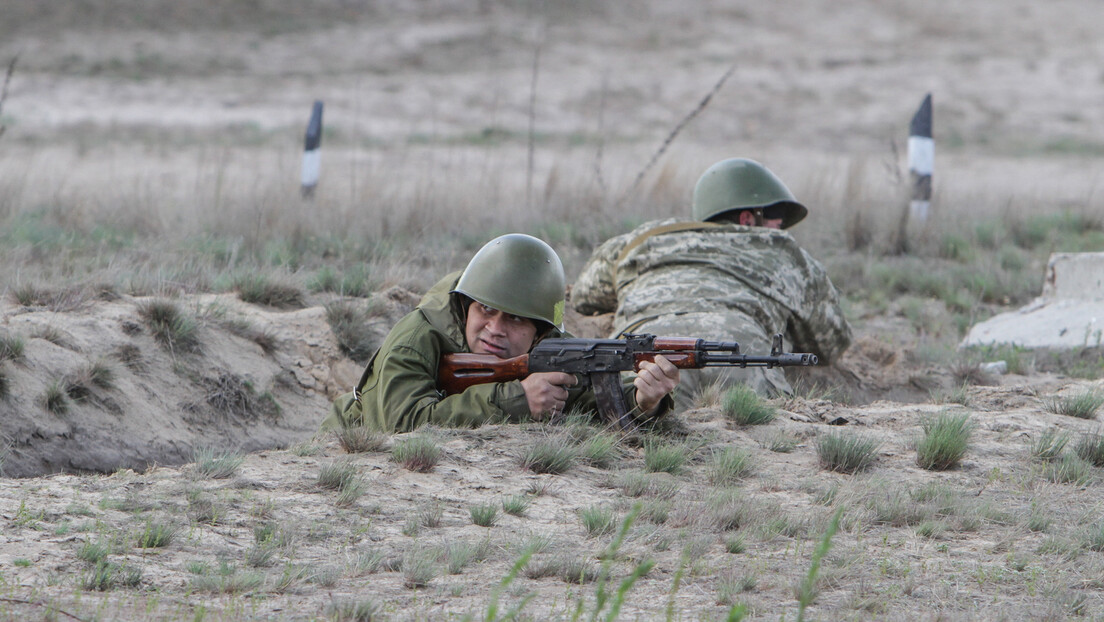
[921,157]
[311,156]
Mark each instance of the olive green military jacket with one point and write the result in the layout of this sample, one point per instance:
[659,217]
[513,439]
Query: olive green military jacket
[399,391]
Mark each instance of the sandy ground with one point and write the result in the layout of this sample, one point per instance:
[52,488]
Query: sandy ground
[412,91]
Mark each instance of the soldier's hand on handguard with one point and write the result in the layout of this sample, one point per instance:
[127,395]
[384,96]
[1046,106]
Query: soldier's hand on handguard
[653,381]
[547,393]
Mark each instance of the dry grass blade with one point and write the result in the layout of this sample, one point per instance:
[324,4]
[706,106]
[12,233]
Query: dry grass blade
[4,91]
[674,133]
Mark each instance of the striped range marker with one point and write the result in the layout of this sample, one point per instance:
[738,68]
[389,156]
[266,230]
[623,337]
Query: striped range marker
[311,156]
[921,156]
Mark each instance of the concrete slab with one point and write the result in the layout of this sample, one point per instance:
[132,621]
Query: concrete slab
[1069,314]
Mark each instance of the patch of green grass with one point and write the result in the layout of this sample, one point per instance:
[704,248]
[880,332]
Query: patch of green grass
[728,509]
[597,520]
[356,281]
[730,465]
[780,441]
[555,455]
[349,323]
[260,555]
[1081,405]
[259,289]
[1069,469]
[337,475]
[601,450]
[960,394]
[516,505]
[1090,448]
[155,535]
[360,439]
[1094,537]
[11,347]
[1049,445]
[462,553]
[214,464]
[846,452]
[419,567]
[5,384]
[735,544]
[661,457]
[577,570]
[946,439]
[105,577]
[484,515]
[170,326]
[743,406]
[56,398]
[417,453]
[93,552]
[354,611]
[228,580]
[263,337]
[637,484]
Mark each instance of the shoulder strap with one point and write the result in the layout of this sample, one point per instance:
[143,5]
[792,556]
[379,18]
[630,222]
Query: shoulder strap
[668,228]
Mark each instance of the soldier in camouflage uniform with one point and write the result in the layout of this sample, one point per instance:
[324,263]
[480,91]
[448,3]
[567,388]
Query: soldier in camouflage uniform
[510,296]
[731,275]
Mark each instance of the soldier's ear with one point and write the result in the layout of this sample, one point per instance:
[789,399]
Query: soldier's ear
[747,218]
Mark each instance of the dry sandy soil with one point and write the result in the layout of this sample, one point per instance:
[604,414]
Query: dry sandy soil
[817,86]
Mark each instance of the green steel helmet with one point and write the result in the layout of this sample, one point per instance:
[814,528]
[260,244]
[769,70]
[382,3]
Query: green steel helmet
[738,184]
[517,274]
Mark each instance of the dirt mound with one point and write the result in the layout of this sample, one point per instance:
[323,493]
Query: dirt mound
[131,382]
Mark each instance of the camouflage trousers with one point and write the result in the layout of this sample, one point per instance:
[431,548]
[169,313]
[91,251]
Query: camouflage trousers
[729,326]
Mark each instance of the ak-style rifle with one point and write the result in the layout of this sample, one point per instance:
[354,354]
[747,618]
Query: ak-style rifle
[599,363]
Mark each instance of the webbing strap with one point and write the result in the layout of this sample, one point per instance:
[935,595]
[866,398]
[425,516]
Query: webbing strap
[660,230]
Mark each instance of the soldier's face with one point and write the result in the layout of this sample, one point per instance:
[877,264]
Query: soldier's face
[747,218]
[490,331]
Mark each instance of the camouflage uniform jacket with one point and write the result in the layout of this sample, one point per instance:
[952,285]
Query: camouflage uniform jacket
[399,391]
[719,282]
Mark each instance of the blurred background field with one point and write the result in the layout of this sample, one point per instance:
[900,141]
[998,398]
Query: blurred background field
[154,147]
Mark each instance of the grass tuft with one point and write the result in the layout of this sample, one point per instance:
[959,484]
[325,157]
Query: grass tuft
[259,289]
[105,577]
[417,453]
[846,452]
[1081,405]
[349,323]
[361,439]
[1049,445]
[155,535]
[1090,448]
[729,466]
[665,457]
[743,406]
[170,326]
[56,398]
[597,520]
[354,611]
[11,347]
[553,455]
[516,505]
[946,439]
[213,464]
[484,515]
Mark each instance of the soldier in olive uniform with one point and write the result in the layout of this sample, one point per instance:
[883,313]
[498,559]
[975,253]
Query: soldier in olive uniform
[509,297]
[730,275]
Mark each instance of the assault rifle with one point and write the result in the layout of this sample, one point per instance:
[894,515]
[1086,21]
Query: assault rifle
[599,363]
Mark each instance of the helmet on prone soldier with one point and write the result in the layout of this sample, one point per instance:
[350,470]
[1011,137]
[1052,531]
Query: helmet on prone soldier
[739,184]
[517,274]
